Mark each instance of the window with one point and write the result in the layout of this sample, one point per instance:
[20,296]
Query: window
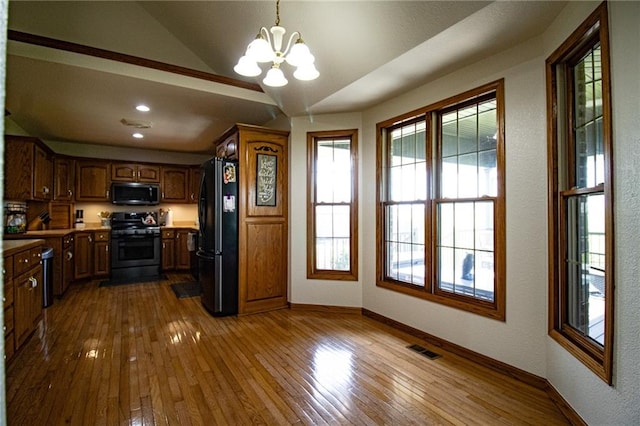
[580,197]
[441,202]
[332,227]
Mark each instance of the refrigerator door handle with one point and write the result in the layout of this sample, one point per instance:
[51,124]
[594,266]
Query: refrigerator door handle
[217,204]
[202,203]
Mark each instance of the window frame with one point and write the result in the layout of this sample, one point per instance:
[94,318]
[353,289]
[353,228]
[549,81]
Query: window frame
[497,308]
[312,271]
[561,174]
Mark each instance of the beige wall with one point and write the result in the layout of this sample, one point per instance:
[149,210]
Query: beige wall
[521,340]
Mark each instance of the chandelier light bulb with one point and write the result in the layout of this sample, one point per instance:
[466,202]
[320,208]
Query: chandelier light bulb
[300,54]
[306,72]
[260,49]
[247,66]
[275,77]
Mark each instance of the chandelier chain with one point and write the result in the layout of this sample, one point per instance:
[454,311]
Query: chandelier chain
[278,13]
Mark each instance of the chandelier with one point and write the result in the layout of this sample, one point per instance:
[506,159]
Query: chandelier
[268,48]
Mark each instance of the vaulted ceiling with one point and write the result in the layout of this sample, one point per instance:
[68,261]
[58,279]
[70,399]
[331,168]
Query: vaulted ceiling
[366,52]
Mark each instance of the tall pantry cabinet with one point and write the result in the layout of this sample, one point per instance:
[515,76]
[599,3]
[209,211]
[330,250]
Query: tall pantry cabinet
[262,156]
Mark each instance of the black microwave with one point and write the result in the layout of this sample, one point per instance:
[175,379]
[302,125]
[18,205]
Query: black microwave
[135,194]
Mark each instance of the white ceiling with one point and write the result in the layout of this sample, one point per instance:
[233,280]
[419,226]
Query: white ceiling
[366,52]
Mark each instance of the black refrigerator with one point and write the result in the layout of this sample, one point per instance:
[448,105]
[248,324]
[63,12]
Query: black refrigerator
[218,242]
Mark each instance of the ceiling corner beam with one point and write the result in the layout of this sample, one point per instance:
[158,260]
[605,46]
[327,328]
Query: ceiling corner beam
[129,59]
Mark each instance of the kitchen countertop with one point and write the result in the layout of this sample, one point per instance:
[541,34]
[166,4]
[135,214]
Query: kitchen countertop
[48,233]
[12,246]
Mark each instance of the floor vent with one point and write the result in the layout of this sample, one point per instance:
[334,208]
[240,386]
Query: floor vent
[424,351]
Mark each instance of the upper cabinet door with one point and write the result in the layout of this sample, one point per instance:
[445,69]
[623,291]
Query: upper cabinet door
[148,173]
[92,180]
[195,177]
[128,172]
[43,175]
[63,179]
[28,170]
[175,184]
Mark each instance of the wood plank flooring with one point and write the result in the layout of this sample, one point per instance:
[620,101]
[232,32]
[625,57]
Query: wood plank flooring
[135,354]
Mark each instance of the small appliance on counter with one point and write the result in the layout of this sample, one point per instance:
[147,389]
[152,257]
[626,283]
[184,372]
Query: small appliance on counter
[166,217]
[15,217]
[79,219]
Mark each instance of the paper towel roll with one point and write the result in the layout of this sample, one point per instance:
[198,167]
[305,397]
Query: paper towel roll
[169,219]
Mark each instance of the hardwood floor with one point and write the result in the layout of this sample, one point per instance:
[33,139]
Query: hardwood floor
[135,354]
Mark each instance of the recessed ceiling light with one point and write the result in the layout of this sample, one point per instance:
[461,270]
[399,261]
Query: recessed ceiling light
[138,135]
[143,108]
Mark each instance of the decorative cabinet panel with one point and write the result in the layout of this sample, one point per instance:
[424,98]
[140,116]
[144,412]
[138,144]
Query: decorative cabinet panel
[124,172]
[262,215]
[28,170]
[175,184]
[93,179]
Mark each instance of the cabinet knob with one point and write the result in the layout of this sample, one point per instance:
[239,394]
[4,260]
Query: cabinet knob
[4,328]
[69,255]
[4,299]
[45,190]
[70,192]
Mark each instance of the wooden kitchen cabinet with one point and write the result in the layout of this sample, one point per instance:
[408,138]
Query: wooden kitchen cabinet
[183,256]
[168,250]
[64,172]
[92,254]
[262,214]
[82,247]
[175,184]
[28,169]
[175,253]
[101,254]
[68,261]
[93,180]
[195,176]
[8,306]
[128,172]
[23,306]
[61,215]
